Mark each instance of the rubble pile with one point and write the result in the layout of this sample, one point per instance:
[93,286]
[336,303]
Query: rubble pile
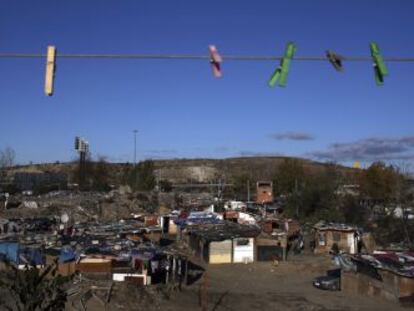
[78,205]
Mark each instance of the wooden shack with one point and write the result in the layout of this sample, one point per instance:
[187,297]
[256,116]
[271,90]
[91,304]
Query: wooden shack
[271,247]
[391,287]
[222,243]
[328,235]
[272,224]
[94,265]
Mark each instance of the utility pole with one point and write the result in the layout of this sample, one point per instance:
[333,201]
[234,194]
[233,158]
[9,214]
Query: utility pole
[82,159]
[135,147]
[135,157]
[296,198]
[248,190]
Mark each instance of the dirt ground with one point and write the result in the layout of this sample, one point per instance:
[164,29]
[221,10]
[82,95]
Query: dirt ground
[262,286]
[255,286]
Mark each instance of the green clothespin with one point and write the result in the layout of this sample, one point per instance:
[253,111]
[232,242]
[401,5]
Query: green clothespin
[379,66]
[280,74]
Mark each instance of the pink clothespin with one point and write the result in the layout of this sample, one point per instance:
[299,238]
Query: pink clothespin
[215,61]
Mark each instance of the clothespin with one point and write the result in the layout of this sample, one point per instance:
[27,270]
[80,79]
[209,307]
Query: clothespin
[215,61]
[335,60]
[50,69]
[280,74]
[379,66]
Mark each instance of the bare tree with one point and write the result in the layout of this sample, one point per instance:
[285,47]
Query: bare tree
[32,289]
[7,157]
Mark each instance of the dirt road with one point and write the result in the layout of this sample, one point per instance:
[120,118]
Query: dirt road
[263,286]
[255,286]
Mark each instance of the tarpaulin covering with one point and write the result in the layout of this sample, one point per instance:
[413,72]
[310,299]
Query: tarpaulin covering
[345,262]
[31,256]
[10,251]
[145,254]
[198,218]
[67,254]
[398,263]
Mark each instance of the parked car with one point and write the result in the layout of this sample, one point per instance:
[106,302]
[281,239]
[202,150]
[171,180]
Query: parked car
[330,281]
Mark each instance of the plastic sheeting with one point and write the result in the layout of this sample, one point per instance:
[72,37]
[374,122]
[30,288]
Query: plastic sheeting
[67,254]
[198,218]
[345,262]
[10,251]
[31,256]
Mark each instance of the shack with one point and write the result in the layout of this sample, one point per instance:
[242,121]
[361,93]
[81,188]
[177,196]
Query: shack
[167,223]
[275,224]
[386,275]
[271,247]
[344,236]
[226,242]
[279,235]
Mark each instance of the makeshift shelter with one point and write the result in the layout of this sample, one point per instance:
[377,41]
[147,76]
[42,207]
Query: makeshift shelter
[344,236]
[9,251]
[227,242]
[31,257]
[271,247]
[167,223]
[388,275]
[67,254]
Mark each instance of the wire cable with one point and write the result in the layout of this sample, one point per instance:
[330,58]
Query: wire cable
[197,57]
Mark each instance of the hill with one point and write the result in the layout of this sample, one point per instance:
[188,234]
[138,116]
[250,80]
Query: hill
[196,170]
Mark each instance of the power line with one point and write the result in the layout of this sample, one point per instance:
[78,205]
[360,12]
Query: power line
[198,57]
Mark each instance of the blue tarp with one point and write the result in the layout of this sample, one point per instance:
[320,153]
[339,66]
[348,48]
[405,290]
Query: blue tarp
[143,254]
[31,256]
[10,251]
[67,254]
[198,218]
[197,221]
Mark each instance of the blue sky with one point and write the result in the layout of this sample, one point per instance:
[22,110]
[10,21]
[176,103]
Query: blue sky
[179,108]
